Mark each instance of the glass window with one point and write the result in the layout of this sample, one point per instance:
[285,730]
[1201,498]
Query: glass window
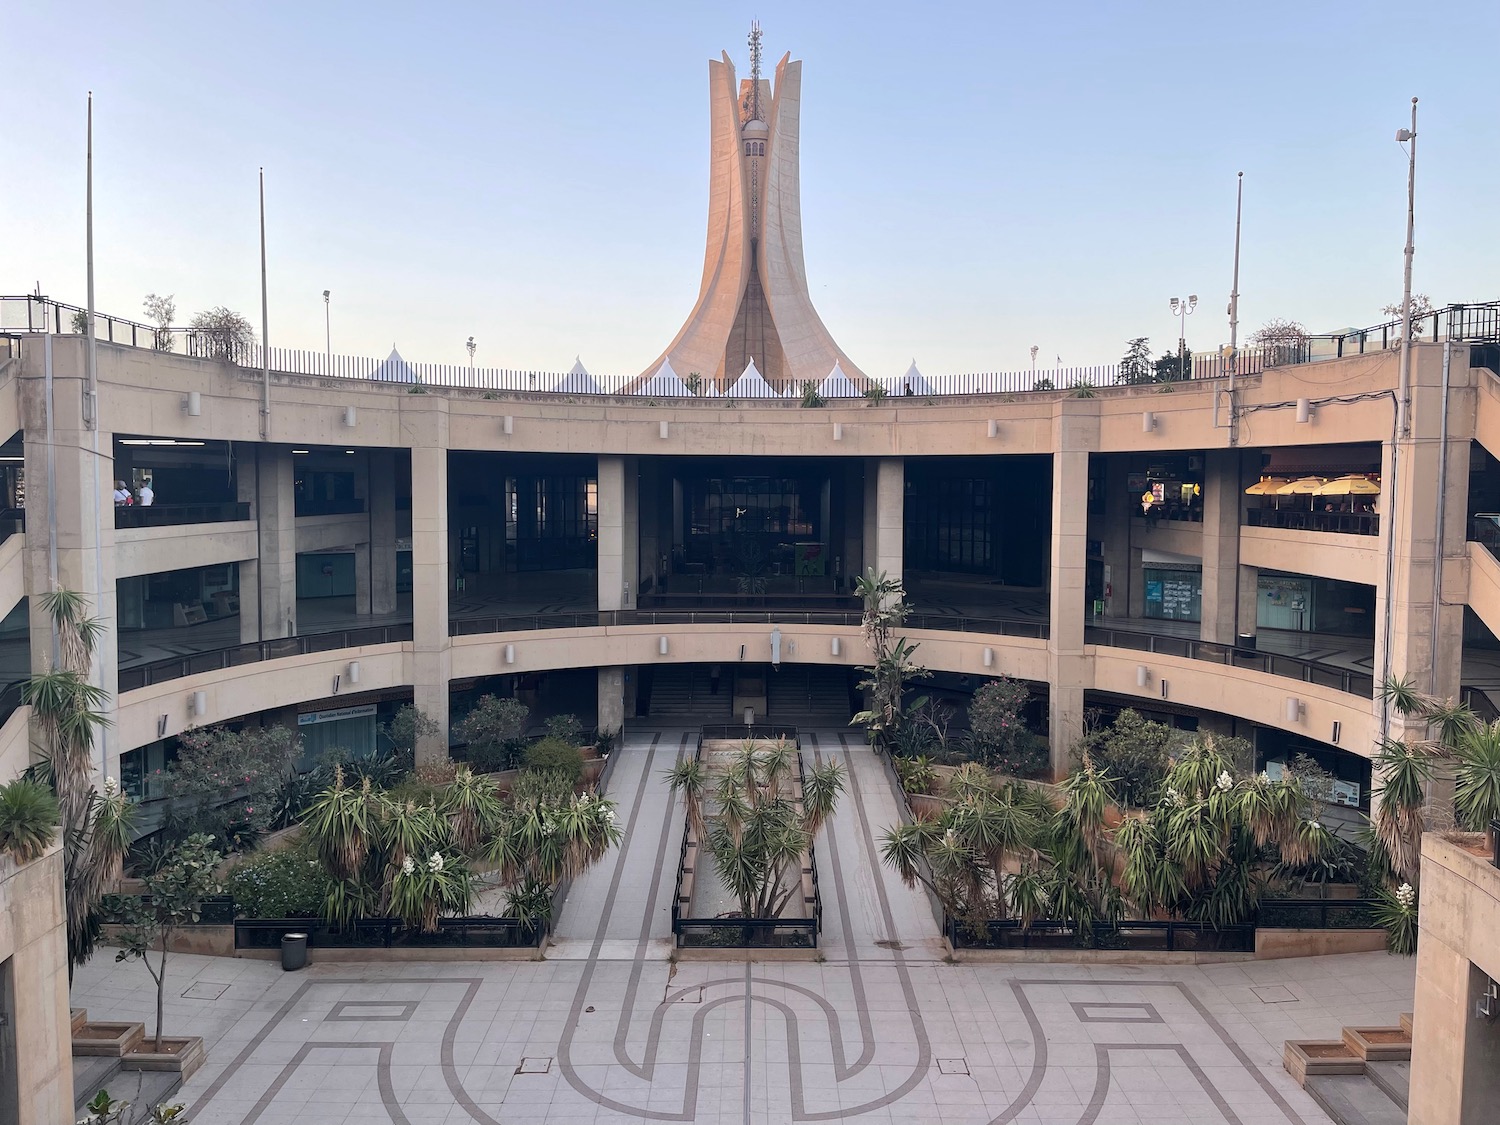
[1174,594]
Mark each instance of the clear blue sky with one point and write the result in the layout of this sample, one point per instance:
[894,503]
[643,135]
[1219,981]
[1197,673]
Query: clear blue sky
[976,178]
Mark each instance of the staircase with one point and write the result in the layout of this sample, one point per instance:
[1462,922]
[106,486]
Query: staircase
[1361,1079]
[685,692]
[808,695]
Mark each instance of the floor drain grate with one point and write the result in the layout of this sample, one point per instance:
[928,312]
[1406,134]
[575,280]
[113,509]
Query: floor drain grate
[953,1066]
[205,990]
[535,1064]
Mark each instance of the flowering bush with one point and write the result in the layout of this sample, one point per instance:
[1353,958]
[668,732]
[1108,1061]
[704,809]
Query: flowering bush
[289,883]
[995,718]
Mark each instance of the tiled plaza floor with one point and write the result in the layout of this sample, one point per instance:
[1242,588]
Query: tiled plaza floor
[608,1029]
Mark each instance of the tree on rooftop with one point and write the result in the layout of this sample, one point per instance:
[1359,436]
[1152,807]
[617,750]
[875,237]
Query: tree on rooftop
[161,311]
[221,333]
[1135,364]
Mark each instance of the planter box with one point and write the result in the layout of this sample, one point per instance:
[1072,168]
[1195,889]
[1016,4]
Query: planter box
[107,1040]
[1379,1044]
[181,1055]
[1308,1058]
[80,1016]
[1406,1023]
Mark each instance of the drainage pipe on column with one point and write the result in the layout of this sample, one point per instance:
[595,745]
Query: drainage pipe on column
[1442,510]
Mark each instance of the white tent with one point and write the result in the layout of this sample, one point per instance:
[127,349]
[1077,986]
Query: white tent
[395,370]
[913,382]
[751,384]
[578,381]
[838,385]
[666,383]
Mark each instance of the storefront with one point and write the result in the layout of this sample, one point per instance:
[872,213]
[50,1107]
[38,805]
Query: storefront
[1173,587]
[1302,603]
[1167,488]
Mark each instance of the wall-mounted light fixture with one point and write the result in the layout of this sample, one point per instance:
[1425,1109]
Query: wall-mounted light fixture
[337,682]
[351,417]
[510,654]
[989,658]
[1338,729]
[663,429]
[1148,421]
[354,671]
[1164,689]
[1142,675]
[1304,410]
[838,431]
[1294,709]
[994,428]
[198,704]
[835,646]
[193,404]
[508,424]
[661,645]
[161,726]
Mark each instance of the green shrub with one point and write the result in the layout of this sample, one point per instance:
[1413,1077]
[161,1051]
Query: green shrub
[995,725]
[289,883]
[565,727]
[1132,750]
[28,819]
[1029,756]
[492,732]
[540,785]
[555,755]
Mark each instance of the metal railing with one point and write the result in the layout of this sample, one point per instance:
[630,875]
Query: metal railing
[174,515]
[503,623]
[217,659]
[1495,841]
[1345,523]
[30,314]
[1316,914]
[1484,529]
[1168,937]
[392,933]
[350,506]
[12,522]
[1348,680]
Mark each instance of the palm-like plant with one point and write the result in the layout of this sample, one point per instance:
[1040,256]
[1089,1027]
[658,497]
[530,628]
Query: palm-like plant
[885,608]
[1476,792]
[341,824]
[1404,770]
[28,819]
[472,806]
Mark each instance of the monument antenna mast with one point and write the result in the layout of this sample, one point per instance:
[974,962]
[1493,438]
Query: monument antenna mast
[755,114]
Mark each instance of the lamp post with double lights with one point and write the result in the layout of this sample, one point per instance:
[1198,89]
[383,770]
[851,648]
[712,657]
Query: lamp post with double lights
[327,332]
[1182,310]
[470,346]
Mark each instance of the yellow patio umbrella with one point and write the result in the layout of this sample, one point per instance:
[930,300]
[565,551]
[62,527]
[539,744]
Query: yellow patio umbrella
[1352,485]
[1266,486]
[1304,486]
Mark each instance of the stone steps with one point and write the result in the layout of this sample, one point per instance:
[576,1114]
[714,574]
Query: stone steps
[1392,1077]
[1352,1099]
[1359,1079]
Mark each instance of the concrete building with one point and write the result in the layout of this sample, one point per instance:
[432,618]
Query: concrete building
[625,553]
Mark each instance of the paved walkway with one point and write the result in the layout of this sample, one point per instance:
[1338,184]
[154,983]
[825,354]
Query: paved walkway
[607,1029]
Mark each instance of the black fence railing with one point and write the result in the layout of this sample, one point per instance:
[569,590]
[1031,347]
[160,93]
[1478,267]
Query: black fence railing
[392,933]
[214,660]
[768,732]
[504,623]
[1485,530]
[1316,914]
[173,515]
[1495,841]
[1348,680]
[348,506]
[217,910]
[1345,523]
[1169,937]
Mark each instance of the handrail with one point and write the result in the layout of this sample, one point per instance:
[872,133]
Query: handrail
[1343,523]
[217,659]
[176,515]
[505,623]
[1495,841]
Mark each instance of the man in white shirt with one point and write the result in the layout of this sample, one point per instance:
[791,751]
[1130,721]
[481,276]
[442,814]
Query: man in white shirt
[146,495]
[122,494]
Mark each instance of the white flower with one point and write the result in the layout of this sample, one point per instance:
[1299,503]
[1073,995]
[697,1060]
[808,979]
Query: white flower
[1406,895]
[435,862]
[1174,798]
[1226,782]
[1314,825]
[111,787]
[407,866]
[1265,778]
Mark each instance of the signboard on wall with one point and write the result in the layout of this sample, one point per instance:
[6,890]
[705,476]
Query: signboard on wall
[313,717]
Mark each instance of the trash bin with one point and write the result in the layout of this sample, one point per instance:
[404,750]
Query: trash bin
[293,951]
[1247,640]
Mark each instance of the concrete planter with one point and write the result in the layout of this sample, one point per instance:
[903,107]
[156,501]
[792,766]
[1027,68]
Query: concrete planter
[183,1056]
[1379,1044]
[1309,1058]
[107,1040]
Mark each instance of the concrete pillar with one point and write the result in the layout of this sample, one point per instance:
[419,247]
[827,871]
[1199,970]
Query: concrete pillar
[1249,599]
[1418,501]
[1222,499]
[276,520]
[1072,437]
[69,486]
[431,654]
[611,698]
[619,531]
[849,552]
[1115,537]
[362,578]
[884,516]
[382,506]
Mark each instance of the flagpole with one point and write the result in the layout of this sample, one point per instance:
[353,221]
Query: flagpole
[265,340]
[91,376]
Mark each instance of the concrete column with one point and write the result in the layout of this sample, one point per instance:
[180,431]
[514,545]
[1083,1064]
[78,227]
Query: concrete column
[382,502]
[884,516]
[276,519]
[1419,501]
[611,698]
[1249,599]
[850,550]
[362,578]
[1222,499]
[1115,537]
[1072,438]
[69,486]
[431,654]
[619,531]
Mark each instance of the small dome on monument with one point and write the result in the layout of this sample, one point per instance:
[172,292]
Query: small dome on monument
[755,127]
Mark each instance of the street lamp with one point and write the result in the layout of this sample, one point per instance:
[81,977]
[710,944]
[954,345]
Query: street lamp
[1034,350]
[471,346]
[1182,310]
[1404,136]
[327,332]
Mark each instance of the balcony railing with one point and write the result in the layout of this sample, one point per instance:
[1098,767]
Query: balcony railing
[469,626]
[175,515]
[309,506]
[31,314]
[215,660]
[1343,523]
[1485,529]
[12,522]
[1361,684]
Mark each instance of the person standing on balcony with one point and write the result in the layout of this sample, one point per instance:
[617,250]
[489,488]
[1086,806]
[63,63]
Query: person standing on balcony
[122,494]
[145,494]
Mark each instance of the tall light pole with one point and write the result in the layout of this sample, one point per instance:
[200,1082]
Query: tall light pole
[327,332]
[1034,350]
[471,346]
[1182,310]
[1405,136]
[1234,289]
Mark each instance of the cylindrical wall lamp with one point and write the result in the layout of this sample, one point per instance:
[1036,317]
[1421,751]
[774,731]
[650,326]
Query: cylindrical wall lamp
[835,646]
[664,429]
[1148,421]
[1142,675]
[194,404]
[1304,410]
[1293,709]
[994,428]
[838,431]
[661,645]
[989,658]
[354,671]
[198,703]
[350,417]
[508,425]
[510,654]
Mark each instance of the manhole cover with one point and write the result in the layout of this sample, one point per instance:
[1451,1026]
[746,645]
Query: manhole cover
[953,1066]
[1274,994]
[535,1064]
[204,990]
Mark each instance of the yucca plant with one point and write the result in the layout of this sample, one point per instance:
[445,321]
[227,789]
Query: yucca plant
[1396,913]
[1404,769]
[1476,791]
[341,823]
[29,819]
[422,890]
[472,806]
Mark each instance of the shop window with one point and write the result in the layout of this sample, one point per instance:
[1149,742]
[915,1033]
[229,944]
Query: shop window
[1174,594]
